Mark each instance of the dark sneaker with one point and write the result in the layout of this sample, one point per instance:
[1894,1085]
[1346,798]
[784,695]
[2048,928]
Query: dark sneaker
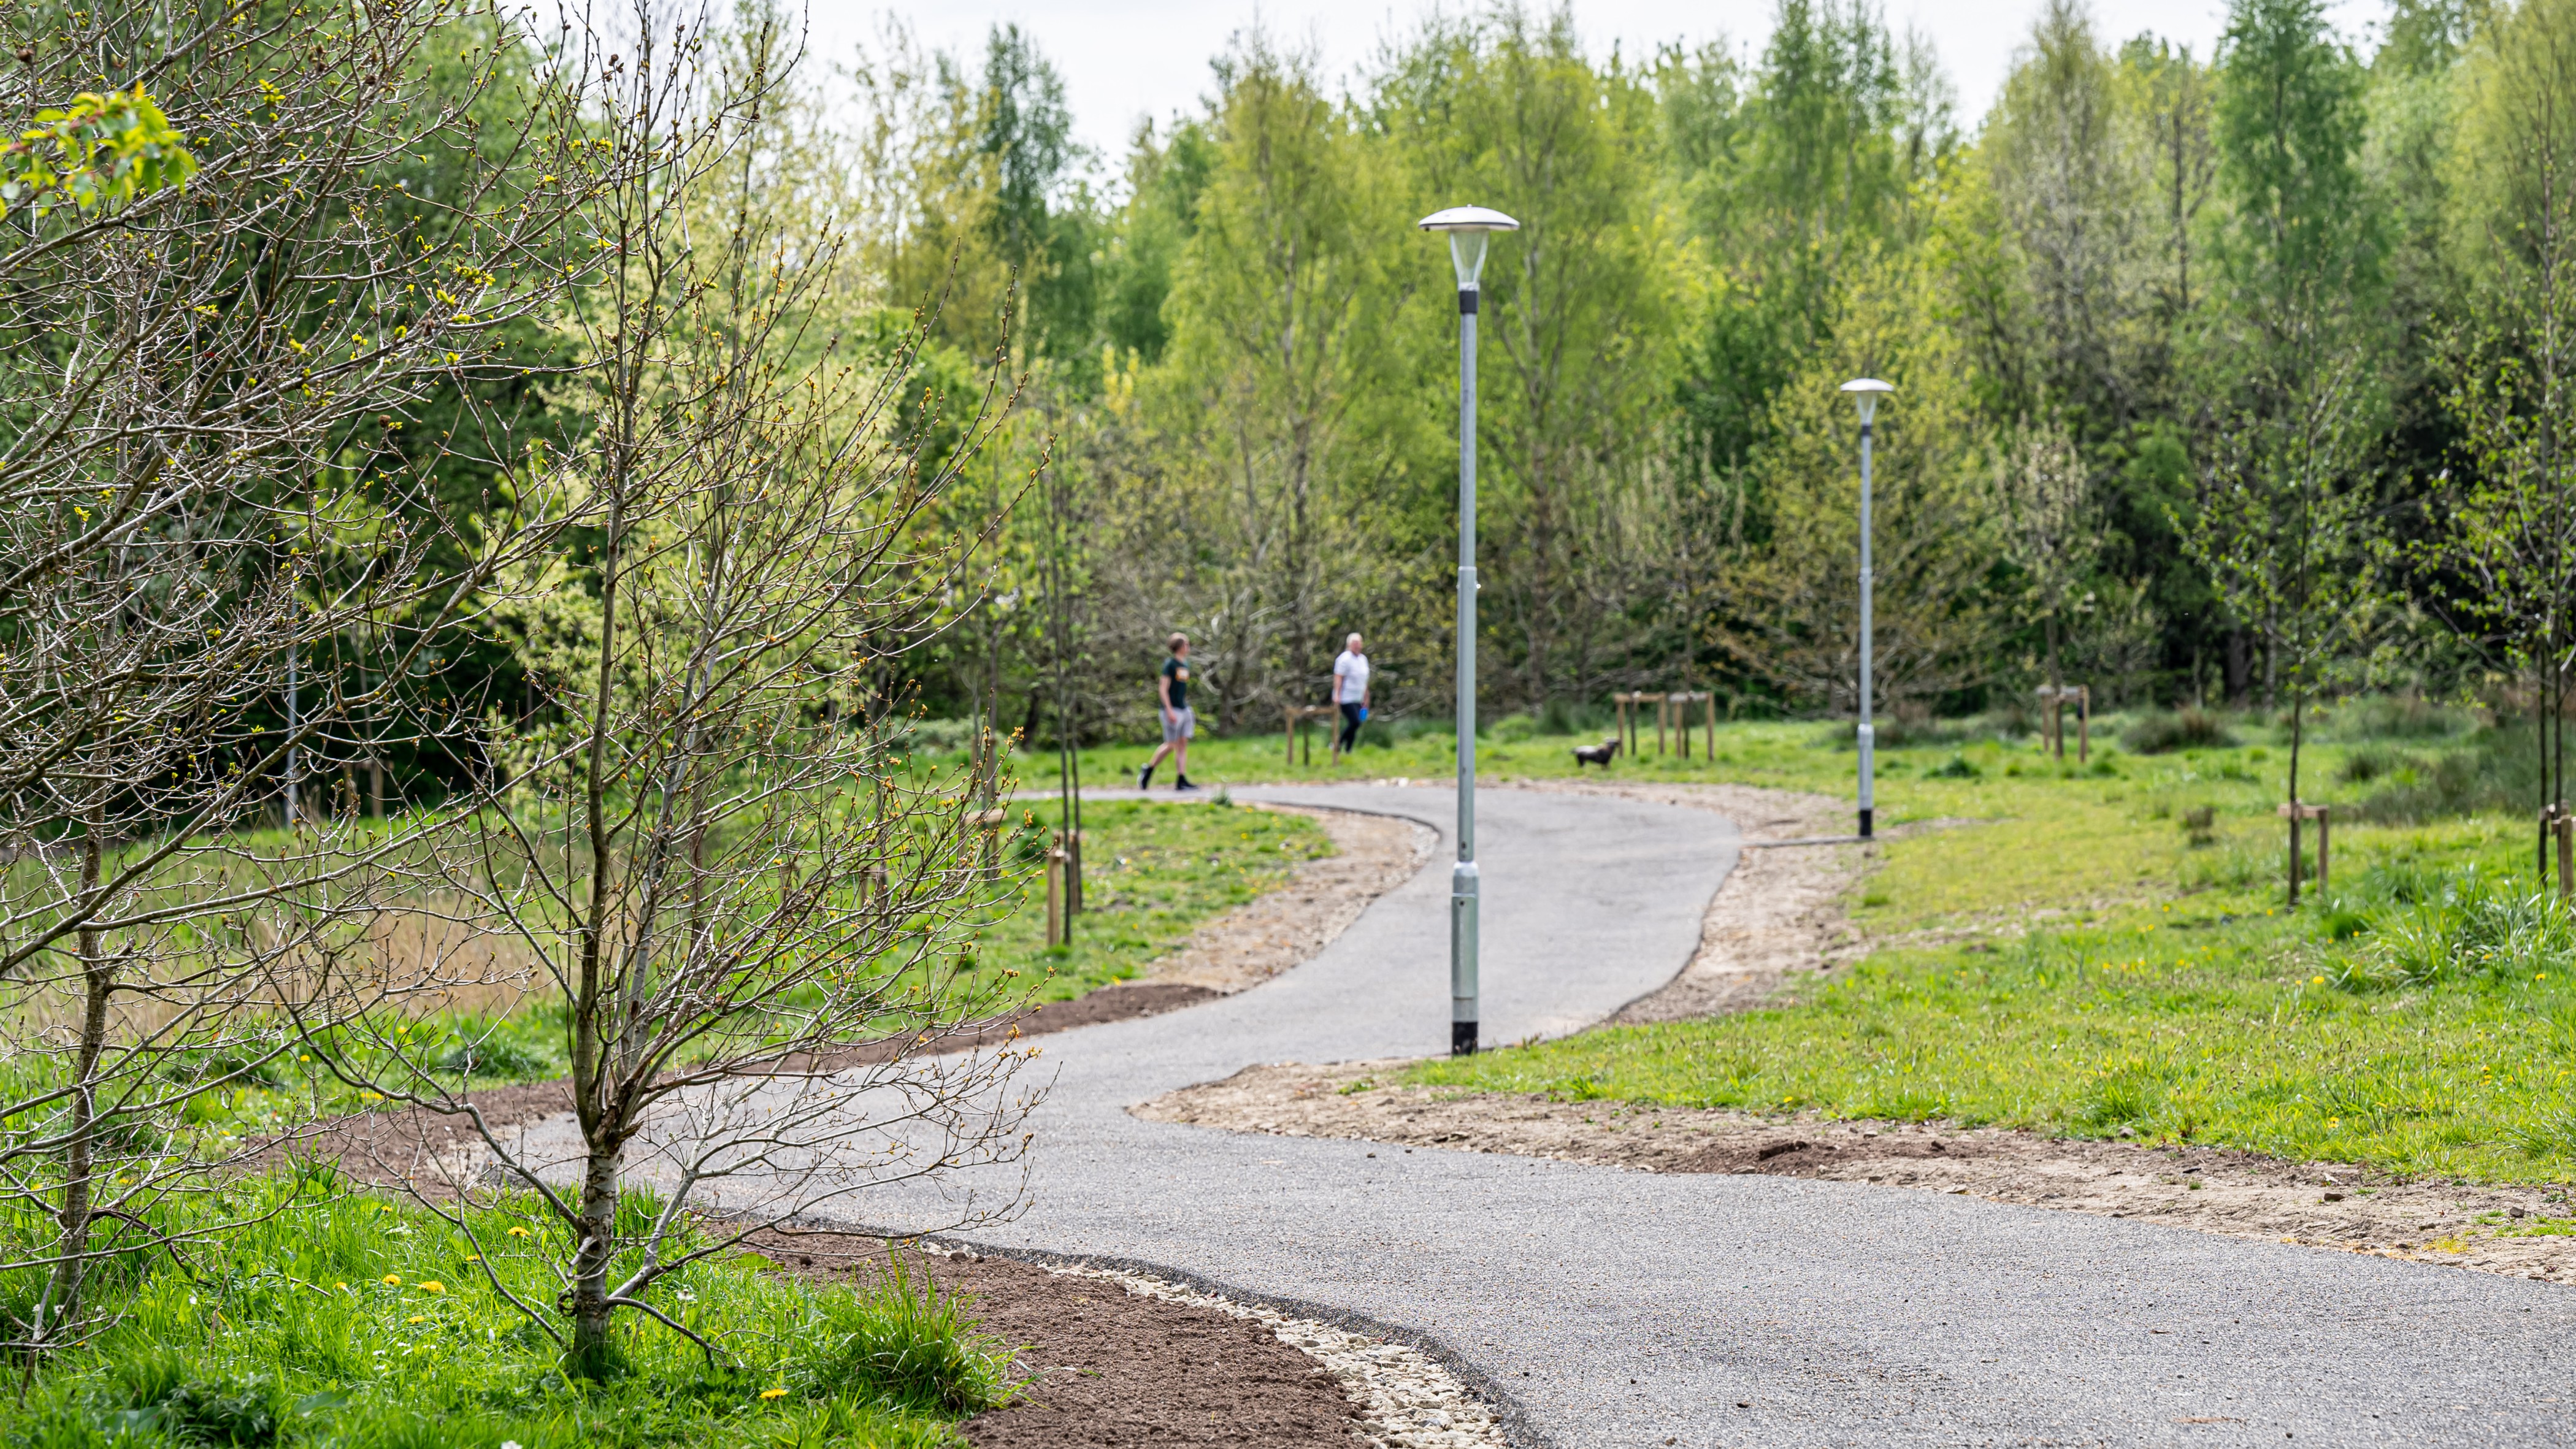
[1145,778]
[1183,783]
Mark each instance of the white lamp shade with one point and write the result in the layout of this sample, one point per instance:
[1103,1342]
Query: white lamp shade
[1468,226]
[1468,218]
[1865,391]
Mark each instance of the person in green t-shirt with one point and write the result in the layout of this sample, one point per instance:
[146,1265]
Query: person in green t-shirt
[1179,723]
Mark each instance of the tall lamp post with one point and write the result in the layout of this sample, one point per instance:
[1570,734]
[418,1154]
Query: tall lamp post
[1865,391]
[1468,227]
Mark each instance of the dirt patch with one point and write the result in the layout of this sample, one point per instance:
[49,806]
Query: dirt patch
[1109,1367]
[1261,938]
[2521,1231]
[432,1152]
[1778,914]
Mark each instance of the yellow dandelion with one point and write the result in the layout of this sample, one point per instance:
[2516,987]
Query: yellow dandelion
[773,1393]
[518,1232]
[393,1280]
[432,1285]
[417,1318]
[474,1257]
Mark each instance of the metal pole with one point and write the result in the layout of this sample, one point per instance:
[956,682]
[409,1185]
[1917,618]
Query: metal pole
[1868,741]
[1462,879]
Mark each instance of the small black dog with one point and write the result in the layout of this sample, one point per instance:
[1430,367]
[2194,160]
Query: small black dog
[1595,754]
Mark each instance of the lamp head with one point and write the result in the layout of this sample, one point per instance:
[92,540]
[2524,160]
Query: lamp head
[1865,392]
[1468,226]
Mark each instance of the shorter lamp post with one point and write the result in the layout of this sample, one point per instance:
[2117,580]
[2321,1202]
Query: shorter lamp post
[1865,392]
[1467,226]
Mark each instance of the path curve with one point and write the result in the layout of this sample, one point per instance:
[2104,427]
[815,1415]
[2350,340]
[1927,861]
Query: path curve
[1617,1309]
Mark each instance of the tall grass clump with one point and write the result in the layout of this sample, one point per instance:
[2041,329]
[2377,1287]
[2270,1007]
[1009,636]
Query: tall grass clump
[2467,927]
[2184,729]
[2395,717]
[2497,769]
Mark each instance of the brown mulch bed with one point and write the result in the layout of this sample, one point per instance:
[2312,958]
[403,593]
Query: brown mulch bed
[1108,1369]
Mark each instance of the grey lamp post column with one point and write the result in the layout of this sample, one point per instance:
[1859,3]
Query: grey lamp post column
[1865,391]
[1467,226]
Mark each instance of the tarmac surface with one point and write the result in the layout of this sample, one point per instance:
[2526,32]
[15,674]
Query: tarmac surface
[1610,1308]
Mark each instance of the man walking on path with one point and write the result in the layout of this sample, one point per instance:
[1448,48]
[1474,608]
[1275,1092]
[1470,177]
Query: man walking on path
[1351,692]
[1179,723]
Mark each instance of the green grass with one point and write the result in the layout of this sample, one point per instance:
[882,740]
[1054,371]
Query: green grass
[1154,875]
[363,1324]
[2058,955]
[1151,875]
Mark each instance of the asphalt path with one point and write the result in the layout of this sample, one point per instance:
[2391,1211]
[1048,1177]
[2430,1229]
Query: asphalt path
[1613,1308]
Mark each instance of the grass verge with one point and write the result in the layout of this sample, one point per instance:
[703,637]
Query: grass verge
[359,1323]
[2106,951]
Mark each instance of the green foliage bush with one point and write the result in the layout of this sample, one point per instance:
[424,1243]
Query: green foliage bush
[2395,717]
[2497,769]
[2184,729]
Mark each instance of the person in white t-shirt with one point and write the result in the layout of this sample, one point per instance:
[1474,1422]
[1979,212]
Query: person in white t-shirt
[1351,692]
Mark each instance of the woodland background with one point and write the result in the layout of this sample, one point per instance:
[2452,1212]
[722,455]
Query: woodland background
[2221,377]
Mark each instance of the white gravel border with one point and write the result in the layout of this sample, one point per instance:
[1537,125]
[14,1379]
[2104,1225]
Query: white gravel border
[1406,1398]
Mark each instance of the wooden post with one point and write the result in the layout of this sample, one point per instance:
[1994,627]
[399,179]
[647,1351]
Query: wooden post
[1072,846]
[1681,721]
[1620,701]
[1288,730]
[1055,896]
[1663,714]
[2294,812]
[2324,842]
[2566,828]
[2084,755]
[1710,701]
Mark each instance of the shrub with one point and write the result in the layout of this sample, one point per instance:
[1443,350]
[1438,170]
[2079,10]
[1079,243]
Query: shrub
[2200,825]
[2396,717]
[1959,767]
[2186,729]
[2374,762]
[2498,770]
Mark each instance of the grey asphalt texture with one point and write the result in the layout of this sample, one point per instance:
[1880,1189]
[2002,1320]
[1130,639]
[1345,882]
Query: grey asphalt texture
[1616,1308]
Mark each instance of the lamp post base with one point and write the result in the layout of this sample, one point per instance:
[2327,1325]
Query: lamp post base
[1865,831]
[1462,1038]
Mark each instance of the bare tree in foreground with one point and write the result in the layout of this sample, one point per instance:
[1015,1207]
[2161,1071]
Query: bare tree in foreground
[226,285]
[708,848]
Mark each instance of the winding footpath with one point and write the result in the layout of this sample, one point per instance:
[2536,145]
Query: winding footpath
[1610,1308]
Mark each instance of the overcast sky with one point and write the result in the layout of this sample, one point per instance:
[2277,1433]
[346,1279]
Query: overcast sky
[1123,60]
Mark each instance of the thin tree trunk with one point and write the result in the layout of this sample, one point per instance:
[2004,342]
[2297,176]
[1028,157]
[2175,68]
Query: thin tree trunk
[80,1158]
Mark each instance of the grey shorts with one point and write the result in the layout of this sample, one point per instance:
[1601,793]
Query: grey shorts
[1179,724]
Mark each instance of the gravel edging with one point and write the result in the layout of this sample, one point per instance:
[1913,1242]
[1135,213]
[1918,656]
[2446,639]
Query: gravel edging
[1506,1422]
[1405,1397]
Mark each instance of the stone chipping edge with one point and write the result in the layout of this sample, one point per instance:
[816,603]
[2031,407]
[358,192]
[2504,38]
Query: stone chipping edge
[1509,1415]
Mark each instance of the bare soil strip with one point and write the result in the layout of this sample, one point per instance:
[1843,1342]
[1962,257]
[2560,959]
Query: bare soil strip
[1778,914]
[1261,938]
